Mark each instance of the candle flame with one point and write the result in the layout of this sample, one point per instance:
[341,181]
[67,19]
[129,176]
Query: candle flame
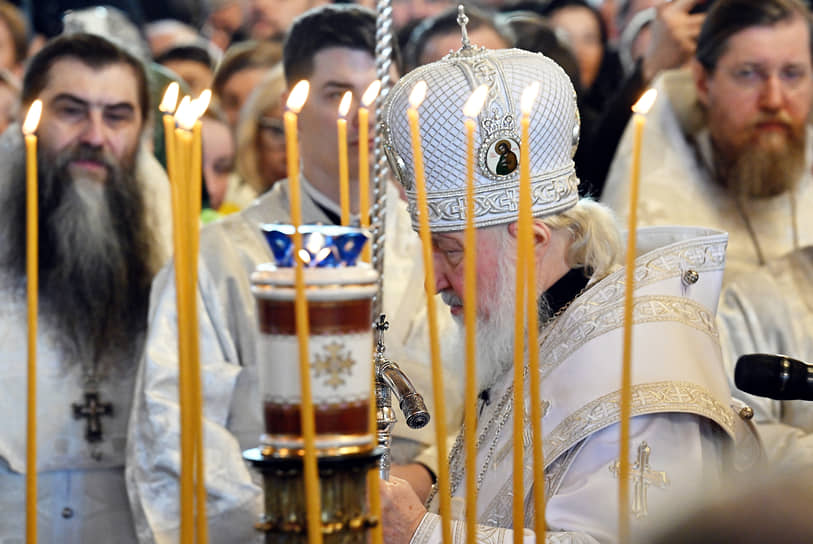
[298,96]
[371,93]
[418,94]
[526,102]
[32,118]
[645,102]
[185,114]
[170,99]
[316,241]
[344,105]
[201,103]
[476,101]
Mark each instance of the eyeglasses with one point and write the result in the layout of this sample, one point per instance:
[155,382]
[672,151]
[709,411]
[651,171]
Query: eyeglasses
[271,131]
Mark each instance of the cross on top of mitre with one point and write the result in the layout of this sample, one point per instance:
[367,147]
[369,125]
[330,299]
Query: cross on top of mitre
[468,50]
[463,20]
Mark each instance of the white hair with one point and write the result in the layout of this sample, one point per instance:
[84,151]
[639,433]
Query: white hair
[595,241]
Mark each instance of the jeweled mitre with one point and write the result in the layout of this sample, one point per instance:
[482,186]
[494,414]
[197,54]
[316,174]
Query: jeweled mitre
[553,136]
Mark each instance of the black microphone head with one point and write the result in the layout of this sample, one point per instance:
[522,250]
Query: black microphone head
[774,376]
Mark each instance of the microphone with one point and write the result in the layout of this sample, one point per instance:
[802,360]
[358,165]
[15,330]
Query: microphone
[774,376]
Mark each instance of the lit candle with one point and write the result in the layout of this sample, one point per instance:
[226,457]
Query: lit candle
[367,99]
[640,108]
[527,239]
[296,99]
[471,110]
[167,107]
[32,119]
[364,159]
[344,182]
[523,280]
[415,98]
[200,105]
[184,288]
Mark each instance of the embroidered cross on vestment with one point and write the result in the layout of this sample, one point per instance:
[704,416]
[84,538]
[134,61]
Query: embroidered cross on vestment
[642,477]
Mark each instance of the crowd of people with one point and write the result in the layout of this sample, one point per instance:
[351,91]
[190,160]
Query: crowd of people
[723,268]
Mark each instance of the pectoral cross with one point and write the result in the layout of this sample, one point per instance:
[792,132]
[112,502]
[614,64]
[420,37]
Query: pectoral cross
[642,477]
[92,410]
[380,326]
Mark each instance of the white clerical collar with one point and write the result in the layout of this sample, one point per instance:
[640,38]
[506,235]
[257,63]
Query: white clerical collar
[323,201]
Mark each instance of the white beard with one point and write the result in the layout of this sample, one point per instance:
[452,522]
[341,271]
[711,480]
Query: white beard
[495,335]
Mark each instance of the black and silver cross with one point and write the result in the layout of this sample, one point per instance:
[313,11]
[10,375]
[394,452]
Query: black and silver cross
[92,410]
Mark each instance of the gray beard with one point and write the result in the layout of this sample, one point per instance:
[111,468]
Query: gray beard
[494,335]
[95,259]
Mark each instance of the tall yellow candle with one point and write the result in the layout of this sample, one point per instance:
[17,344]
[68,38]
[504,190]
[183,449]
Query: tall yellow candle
[526,217]
[196,181]
[523,280]
[367,100]
[640,108]
[344,181]
[296,99]
[185,302]
[471,110]
[444,492]
[32,119]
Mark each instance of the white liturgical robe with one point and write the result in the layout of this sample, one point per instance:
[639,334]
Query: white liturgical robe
[683,426]
[81,493]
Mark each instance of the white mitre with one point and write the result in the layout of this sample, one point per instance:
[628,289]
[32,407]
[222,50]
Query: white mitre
[553,133]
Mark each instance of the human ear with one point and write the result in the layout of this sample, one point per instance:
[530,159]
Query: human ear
[701,82]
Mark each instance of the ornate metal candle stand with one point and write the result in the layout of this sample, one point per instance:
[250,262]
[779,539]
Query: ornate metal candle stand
[339,296]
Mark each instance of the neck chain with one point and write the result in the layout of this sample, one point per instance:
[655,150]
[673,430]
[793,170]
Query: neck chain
[753,233]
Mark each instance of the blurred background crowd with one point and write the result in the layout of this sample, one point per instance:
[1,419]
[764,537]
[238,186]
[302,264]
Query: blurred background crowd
[611,49]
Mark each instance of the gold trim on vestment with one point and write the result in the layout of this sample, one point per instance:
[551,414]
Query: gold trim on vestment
[578,328]
[649,398]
